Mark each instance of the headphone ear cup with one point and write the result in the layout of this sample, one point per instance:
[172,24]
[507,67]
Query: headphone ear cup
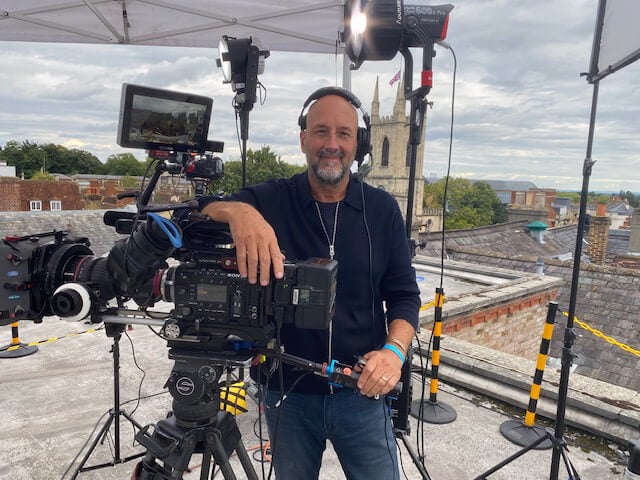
[364,144]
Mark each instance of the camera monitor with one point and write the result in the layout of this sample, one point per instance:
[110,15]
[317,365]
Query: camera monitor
[153,118]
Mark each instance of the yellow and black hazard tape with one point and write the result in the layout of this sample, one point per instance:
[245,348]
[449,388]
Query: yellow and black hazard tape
[16,344]
[438,301]
[606,338]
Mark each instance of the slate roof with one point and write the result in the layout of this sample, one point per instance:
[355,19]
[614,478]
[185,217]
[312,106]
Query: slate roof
[80,223]
[508,185]
[621,208]
[512,239]
[608,298]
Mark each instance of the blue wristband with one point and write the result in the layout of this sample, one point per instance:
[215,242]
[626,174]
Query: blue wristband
[395,350]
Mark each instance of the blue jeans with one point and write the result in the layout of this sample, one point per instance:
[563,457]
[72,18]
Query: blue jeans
[359,428]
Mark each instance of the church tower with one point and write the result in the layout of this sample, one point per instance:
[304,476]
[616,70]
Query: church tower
[390,156]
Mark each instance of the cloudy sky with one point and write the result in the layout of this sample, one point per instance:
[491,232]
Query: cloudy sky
[521,107]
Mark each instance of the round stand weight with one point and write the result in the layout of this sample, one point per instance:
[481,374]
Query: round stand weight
[22,351]
[433,412]
[517,432]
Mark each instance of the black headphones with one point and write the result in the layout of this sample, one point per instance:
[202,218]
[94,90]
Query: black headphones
[364,133]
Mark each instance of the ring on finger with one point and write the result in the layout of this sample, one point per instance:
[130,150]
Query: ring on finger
[383,378]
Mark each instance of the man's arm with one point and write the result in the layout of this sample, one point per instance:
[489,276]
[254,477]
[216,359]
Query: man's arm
[384,366]
[256,244]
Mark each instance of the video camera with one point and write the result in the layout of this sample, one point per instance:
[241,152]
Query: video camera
[54,273]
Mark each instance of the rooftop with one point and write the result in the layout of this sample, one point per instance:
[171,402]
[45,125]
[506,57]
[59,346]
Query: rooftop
[55,399]
[58,394]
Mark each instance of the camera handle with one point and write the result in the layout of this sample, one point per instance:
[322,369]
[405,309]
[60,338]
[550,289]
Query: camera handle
[338,374]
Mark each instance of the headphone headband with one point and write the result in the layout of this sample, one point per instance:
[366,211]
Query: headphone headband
[340,92]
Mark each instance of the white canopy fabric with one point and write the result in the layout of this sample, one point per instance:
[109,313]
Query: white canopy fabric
[617,37]
[286,25]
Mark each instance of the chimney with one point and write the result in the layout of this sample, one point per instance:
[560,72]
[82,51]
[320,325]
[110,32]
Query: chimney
[634,225]
[537,229]
[599,235]
[540,266]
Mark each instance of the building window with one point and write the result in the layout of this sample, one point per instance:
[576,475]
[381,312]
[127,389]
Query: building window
[55,205]
[35,205]
[385,152]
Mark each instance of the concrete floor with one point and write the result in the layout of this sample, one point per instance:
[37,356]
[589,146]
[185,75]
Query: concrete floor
[52,400]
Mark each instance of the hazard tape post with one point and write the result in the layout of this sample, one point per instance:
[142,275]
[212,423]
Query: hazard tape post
[16,349]
[525,433]
[431,410]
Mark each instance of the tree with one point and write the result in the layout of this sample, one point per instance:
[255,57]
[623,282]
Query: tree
[26,157]
[631,198]
[262,165]
[30,157]
[43,177]
[123,164]
[467,205]
[129,182]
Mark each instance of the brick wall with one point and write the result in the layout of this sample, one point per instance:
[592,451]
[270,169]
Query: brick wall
[15,194]
[9,195]
[513,327]
[66,192]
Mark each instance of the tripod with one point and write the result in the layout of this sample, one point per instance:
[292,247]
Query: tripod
[174,443]
[115,331]
[196,424]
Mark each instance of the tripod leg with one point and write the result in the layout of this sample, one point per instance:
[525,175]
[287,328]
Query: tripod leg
[245,461]
[103,431]
[564,452]
[225,439]
[510,459]
[416,460]
[206,464]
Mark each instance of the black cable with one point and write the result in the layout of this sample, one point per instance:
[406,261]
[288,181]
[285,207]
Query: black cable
[421,450]
[446,183]
[144,373]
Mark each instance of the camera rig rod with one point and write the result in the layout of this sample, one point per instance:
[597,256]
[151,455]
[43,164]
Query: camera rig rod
[338,374]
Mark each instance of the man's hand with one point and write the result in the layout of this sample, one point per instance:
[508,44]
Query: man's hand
[256,244]
[380,374]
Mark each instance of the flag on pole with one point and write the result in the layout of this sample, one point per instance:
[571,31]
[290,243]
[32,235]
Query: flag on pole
[395,78]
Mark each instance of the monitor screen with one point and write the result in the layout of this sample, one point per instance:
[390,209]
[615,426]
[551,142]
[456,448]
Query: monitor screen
[153,118]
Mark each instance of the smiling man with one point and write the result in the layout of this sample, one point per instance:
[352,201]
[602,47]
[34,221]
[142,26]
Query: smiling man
[327,212]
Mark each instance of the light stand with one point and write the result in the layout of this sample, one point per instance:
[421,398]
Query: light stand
[557,437]
[115,331]
[377,30]
[559,445]
[242,60]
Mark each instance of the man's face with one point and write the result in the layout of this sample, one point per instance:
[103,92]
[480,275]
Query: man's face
[330,140]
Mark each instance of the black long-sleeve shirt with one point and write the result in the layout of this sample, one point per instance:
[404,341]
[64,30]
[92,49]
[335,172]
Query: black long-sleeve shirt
[374,266]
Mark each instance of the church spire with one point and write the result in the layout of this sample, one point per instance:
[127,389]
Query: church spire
[375,104]
[399,108]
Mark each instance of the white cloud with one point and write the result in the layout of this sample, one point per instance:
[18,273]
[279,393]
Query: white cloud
[521,107]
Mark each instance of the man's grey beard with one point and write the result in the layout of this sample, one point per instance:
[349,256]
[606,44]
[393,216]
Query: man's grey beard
[329,176]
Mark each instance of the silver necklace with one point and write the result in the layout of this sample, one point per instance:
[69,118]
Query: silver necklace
[330,241]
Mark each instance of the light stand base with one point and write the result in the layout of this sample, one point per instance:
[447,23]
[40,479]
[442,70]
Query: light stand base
[22,351]
[517,432]
[433,412]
